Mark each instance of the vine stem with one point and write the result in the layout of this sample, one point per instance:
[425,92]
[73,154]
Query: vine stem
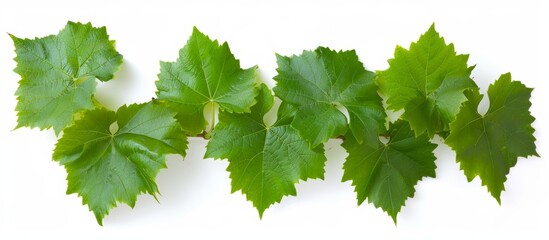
[97,104]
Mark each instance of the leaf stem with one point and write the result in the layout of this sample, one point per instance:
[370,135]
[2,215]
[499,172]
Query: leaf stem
[212,122]
[207,134]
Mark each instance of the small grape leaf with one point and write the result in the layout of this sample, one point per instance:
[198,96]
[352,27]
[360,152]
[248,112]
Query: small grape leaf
[58,74]
[264,161]
[387,173]
[106,166]
[488,145]
[319,81]
[427,81]
[205,73]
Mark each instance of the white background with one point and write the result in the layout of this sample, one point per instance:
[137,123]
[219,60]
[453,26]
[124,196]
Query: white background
[500,36]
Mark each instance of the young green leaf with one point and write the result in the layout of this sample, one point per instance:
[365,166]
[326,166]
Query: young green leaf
[205,73]
[387,173]
[427,81]
[264,161]
[58,74]
[106,166]
[488,145]
[317,82]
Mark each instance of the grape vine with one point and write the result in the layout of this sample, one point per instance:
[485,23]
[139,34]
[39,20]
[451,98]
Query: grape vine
[429,82]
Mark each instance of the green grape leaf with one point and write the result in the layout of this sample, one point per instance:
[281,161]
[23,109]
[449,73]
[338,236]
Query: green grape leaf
[105,166]
[488,145]
[265,162]
[205,73]
[318,82]
[59,72]
[428,82]
[387,173]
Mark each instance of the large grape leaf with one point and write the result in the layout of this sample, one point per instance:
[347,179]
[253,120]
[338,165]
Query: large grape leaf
[58,74]
[105,166]
[205,73]
[427,81]
[387,173]
[319,81]
[264,161]
[488,145]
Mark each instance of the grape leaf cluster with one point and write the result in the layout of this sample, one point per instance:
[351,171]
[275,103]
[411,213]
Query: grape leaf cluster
[112,156]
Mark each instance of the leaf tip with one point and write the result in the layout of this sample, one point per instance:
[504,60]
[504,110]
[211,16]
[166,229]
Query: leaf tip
[359,199]
[394,217]
[471,68]
[19,125]
[432,29]
[496,194]
[197,32]
[260,211]
[14,38]
[155,197]
[99,218]
[280,59]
